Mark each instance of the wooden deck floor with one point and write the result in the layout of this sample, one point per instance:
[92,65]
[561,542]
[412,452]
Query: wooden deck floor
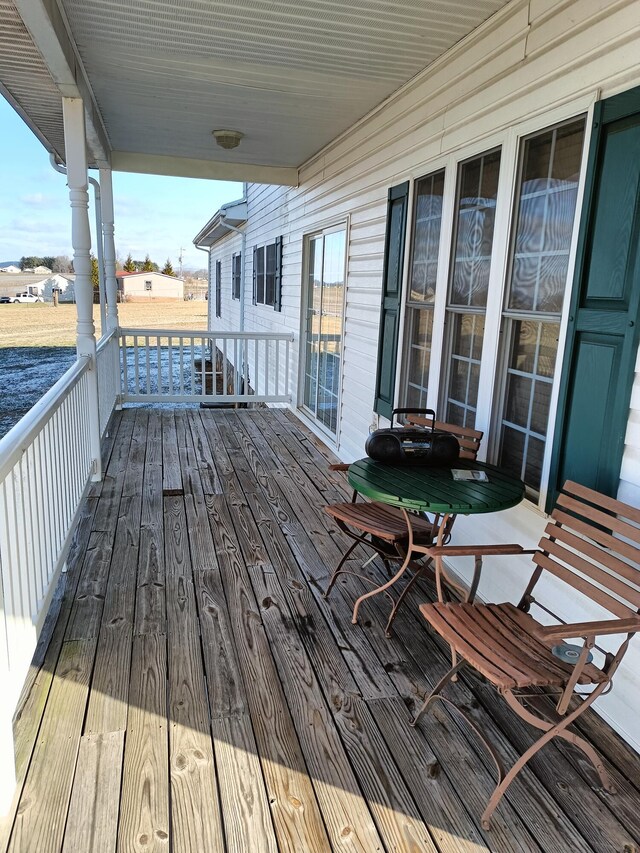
[198,693]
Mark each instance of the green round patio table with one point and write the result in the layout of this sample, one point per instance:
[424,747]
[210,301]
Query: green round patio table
[417,488]
[423,489]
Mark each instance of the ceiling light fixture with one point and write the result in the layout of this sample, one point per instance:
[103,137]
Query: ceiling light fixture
[228,138]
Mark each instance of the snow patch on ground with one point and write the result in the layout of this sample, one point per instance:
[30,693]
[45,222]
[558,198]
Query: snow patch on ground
[26,373]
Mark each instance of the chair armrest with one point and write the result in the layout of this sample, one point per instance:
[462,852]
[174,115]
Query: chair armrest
[582,629]
[339,466]
[473,550]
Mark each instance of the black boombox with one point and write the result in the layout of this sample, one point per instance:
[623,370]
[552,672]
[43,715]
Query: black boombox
[413,445]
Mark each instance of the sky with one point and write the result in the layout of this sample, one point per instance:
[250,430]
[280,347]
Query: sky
[154,215]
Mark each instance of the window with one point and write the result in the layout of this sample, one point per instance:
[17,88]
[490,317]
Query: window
[148,285]
[422,285]
[545,205]
[236,273]
[218,288]
[521,299]
[267,274]
[469,284]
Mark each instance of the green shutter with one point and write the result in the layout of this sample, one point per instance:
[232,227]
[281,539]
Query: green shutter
[255,278]
[602,335]
[278,282]
[391,299]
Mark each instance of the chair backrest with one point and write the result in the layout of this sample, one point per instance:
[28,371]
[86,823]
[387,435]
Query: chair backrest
[592,543]
[468,439]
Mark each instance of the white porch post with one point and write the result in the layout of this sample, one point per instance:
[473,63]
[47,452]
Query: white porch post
[108,230]
[77,181]
[111,285]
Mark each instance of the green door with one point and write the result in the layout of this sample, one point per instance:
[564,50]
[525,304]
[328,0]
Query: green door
[602,338]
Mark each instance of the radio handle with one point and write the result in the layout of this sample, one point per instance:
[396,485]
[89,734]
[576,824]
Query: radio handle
[426,412]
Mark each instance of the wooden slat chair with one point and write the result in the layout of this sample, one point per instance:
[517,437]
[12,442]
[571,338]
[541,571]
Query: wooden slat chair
[591,544]
[383,529]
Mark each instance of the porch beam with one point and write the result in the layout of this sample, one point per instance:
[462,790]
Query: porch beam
[77,180]
[50,35]
[217,170]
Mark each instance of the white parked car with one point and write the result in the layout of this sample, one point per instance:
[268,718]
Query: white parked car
[27,297]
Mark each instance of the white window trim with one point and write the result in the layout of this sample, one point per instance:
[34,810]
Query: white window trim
[316,427]
[508,139]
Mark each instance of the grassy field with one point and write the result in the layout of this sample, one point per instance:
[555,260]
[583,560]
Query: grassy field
[42,325]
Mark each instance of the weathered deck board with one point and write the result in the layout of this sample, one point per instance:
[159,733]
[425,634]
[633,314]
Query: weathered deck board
[197,692]
[92,825]
[195,811]
[42,812]
[144,802]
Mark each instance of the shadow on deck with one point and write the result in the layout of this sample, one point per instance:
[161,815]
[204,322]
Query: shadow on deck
[193,691]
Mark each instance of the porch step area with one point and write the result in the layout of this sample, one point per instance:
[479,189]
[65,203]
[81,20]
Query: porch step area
[194,692]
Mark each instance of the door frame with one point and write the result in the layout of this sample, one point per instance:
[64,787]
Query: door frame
[330,227]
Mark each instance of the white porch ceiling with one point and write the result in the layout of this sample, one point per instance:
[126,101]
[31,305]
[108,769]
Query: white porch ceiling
[162,74]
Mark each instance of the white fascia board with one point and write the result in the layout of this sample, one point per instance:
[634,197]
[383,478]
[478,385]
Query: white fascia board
[216,170]
[50,35]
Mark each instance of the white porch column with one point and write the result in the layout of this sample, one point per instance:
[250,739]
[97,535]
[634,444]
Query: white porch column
[77,181]
[108,230]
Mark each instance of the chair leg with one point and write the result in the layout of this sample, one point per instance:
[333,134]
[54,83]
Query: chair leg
[545,724]
[338,568]
[551,730]
[394,611]
[436,691]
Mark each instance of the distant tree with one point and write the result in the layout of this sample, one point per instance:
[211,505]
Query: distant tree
[48,262]
[167,269]
[30,262]
[95,274]
[62,263]
[129,264]
[148,265]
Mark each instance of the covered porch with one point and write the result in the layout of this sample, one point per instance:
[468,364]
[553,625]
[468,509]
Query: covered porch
[192,689]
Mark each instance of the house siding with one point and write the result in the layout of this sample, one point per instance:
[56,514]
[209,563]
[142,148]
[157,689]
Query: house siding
[533,64]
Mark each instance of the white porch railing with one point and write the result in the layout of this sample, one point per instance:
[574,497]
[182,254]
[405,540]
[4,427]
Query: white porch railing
[109,383]
[162,365]
[45,467]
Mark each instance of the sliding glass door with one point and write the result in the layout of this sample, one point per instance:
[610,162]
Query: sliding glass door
[324,301]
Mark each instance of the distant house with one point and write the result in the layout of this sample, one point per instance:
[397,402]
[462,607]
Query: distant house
[10,268]
[64,285]
[38,270]
[142,286]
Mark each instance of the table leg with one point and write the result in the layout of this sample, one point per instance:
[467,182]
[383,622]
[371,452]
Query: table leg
[392,580]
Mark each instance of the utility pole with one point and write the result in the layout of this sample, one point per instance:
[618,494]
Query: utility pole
[180,260]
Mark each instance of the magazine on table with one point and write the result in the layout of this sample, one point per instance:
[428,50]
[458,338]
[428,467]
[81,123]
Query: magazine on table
[464,474]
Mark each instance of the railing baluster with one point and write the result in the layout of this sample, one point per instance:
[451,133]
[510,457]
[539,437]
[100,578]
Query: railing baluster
[277,374]
[225,378]
[203,369]
[193,367]
[181,352]
[125,366]
[159,366]
[148,363]
[170,363]
[136,366]
[286,366]
[267,377]
[237,370]
[246,366]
